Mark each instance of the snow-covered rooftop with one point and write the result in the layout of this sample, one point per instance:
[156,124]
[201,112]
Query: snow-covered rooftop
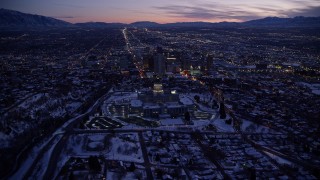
[185,100]
[166,122]
[136,103]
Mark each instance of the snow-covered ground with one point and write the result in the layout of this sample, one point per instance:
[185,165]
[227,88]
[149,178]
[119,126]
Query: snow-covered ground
[185,100]
[315,88]
[124,175]
[40,169]
[31,100]
[63,159]
[168,122]
[38,107]
[121,149]
[200,122]
[24,167]
[222,126]
[203,97]
[4,139]
[122,97]
[132,126]
[73,106]
[77,146]
[280,160]
[251,127]
[33,155]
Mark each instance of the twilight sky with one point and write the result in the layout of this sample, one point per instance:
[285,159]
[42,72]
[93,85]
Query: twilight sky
[163,11]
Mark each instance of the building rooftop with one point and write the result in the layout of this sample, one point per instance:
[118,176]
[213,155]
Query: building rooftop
[136,103]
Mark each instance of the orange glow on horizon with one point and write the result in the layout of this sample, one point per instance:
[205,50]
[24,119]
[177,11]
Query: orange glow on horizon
[161,20]
[164,11]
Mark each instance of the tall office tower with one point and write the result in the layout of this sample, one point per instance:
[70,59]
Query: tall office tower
[148,62]
[159,64]
[159,50]
[186,63]
[209,62]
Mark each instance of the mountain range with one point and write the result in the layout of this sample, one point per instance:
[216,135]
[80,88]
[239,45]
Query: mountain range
[10,18]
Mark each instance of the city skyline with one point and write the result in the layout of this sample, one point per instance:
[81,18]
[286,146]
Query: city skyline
[187,98]
[164,11]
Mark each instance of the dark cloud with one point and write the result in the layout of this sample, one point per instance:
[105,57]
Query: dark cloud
[65,17]
[188,12]
[207,12]
[266,9]
[313,11]
[221,11]
[68,5]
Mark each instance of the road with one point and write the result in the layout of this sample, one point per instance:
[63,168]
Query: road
[147,163]
[91,49]
[209,154]
[258,147]
[65,130]
[21,156]
[284,156]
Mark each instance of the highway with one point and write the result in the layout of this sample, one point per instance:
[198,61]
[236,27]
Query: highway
[65,130]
